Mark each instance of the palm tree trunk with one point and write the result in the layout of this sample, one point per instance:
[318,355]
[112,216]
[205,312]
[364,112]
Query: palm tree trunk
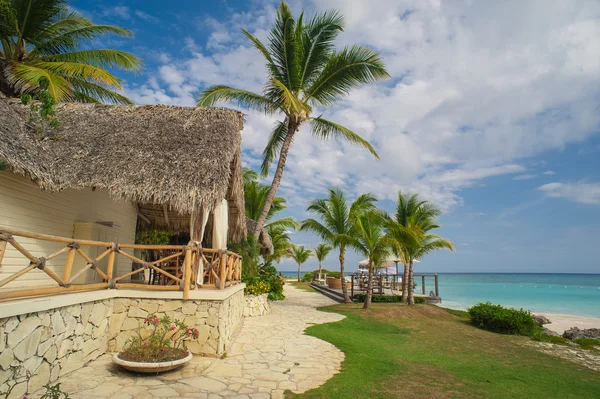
[369,297]
[320,267]
[405,284]
[287,143]
[344,289]
[298,272]
[411,284]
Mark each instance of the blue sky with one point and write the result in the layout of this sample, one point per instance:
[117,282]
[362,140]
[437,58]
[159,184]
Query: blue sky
[493,112]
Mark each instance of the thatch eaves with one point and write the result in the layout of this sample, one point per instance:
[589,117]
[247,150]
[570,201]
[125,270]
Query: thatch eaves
[154,155]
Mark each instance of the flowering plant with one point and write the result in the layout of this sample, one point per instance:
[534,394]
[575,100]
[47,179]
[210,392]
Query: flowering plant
[159,340]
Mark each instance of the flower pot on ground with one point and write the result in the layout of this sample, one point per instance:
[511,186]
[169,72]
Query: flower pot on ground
[336,283]
[159,345]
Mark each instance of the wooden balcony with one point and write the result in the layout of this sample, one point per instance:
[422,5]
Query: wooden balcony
[177,267]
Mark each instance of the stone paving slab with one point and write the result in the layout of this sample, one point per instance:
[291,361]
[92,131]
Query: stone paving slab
[270,354]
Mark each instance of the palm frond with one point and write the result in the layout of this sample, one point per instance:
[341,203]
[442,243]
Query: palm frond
[326,129]
[211,95]
[322,250]
[286,223]
[27,77]
[284,47]
[103,58]
[274,70]
[72,39]
[351,67]
[288,101]
[273,146]
[316,227]
[84,91]
[80,71]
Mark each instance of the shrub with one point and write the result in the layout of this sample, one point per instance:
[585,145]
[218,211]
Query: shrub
[329,273]
[386,298]
[267,281]
[502,320]
[161,340]
[540,336]
[257,287]
[308,277]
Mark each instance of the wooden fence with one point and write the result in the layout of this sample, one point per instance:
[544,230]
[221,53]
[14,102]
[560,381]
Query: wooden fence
[176,265]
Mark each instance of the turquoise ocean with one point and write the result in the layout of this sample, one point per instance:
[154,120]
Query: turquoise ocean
[576,294]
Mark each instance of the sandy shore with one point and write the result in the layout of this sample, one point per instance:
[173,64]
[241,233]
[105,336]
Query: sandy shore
[562,322]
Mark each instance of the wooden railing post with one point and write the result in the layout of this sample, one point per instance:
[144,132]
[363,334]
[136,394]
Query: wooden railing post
[2,248]
[111,261]
[70,259]
[187,274]
[223,270]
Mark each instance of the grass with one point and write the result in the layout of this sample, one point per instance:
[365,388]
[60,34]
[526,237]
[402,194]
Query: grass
[396,351]
[303,286]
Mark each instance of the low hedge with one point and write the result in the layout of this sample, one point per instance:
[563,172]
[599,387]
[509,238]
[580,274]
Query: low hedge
[307,277]
[386,298]
[502,320]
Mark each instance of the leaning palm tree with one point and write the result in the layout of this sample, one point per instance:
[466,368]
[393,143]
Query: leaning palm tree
[44,43]
[321,251]
[371,241]
[300,255]
[304,71]
[337,222]
[409,228]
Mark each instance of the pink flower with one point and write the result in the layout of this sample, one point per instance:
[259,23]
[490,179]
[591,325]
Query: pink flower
[172,328]
[164,350]
[145,343]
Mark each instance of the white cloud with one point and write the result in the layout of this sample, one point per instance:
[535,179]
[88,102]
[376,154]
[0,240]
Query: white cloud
[477,88]
[582,192]
[548,173]
[122,12]
[525,177]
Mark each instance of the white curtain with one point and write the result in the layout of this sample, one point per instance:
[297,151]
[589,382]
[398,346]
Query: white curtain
[203,219]
[220,225]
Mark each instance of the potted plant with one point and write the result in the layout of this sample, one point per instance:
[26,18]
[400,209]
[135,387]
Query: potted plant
[159,346]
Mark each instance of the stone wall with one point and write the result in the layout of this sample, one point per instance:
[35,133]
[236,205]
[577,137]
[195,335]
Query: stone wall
[39,347]
[216,321]
[256,305]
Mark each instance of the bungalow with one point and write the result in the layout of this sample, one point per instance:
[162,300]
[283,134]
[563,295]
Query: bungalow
[73,281]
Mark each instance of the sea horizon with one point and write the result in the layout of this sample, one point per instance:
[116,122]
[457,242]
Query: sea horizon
[559,293]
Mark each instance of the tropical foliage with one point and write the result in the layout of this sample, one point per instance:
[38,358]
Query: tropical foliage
[43,41]
[300,255]
[305,71]
[336,224]
[410,229]
[321,252]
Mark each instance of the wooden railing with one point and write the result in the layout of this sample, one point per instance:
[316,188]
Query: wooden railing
[177,265]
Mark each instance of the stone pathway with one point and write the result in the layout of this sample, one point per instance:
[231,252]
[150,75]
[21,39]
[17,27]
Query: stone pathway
[270,354]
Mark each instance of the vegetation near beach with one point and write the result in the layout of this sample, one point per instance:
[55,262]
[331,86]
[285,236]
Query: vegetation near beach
[305,71]
[300,255]
[428,352]
[335,223]
[44,41]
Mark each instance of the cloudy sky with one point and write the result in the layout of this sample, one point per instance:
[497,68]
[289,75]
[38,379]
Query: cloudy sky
[493,112]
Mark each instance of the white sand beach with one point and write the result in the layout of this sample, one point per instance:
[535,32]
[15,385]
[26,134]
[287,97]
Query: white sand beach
[562,322]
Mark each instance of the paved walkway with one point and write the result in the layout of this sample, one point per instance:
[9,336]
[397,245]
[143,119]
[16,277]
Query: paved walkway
[271,354]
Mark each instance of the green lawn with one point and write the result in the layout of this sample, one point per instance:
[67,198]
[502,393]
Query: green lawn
[395,351]
[303,286]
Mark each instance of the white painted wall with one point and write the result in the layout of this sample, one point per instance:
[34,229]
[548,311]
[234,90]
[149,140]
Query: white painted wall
[24,206]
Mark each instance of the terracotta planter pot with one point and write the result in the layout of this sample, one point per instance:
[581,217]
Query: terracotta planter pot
[336,283]
[150,367]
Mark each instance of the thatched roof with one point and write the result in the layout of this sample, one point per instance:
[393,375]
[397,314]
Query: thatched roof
[153,155]
[264,239]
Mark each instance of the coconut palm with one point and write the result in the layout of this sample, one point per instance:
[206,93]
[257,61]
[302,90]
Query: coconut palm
[371,241]
[409,228]
[300,255]
[321,252]
[43,42]
[304,71]
[281,245]
[337,222]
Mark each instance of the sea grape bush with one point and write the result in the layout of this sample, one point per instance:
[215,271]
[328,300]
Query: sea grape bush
[502,320]
[308,277]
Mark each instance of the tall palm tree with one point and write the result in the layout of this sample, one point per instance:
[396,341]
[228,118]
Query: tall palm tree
[321,251]
[409,228]
[337,225]
[300,255]
[281,245]
[43,41]
[371,241]
[304,71]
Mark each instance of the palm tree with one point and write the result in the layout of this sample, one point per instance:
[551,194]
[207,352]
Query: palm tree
[300,255]
[337,222]
[321,251]
[44,42]
[409,228]
[304,71]
[281,245]
[371,241]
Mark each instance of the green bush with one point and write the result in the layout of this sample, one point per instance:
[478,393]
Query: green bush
[257,287]
[502,320]
[267,276]
[540,336]
[386,298]
[329,273]
[308,277]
